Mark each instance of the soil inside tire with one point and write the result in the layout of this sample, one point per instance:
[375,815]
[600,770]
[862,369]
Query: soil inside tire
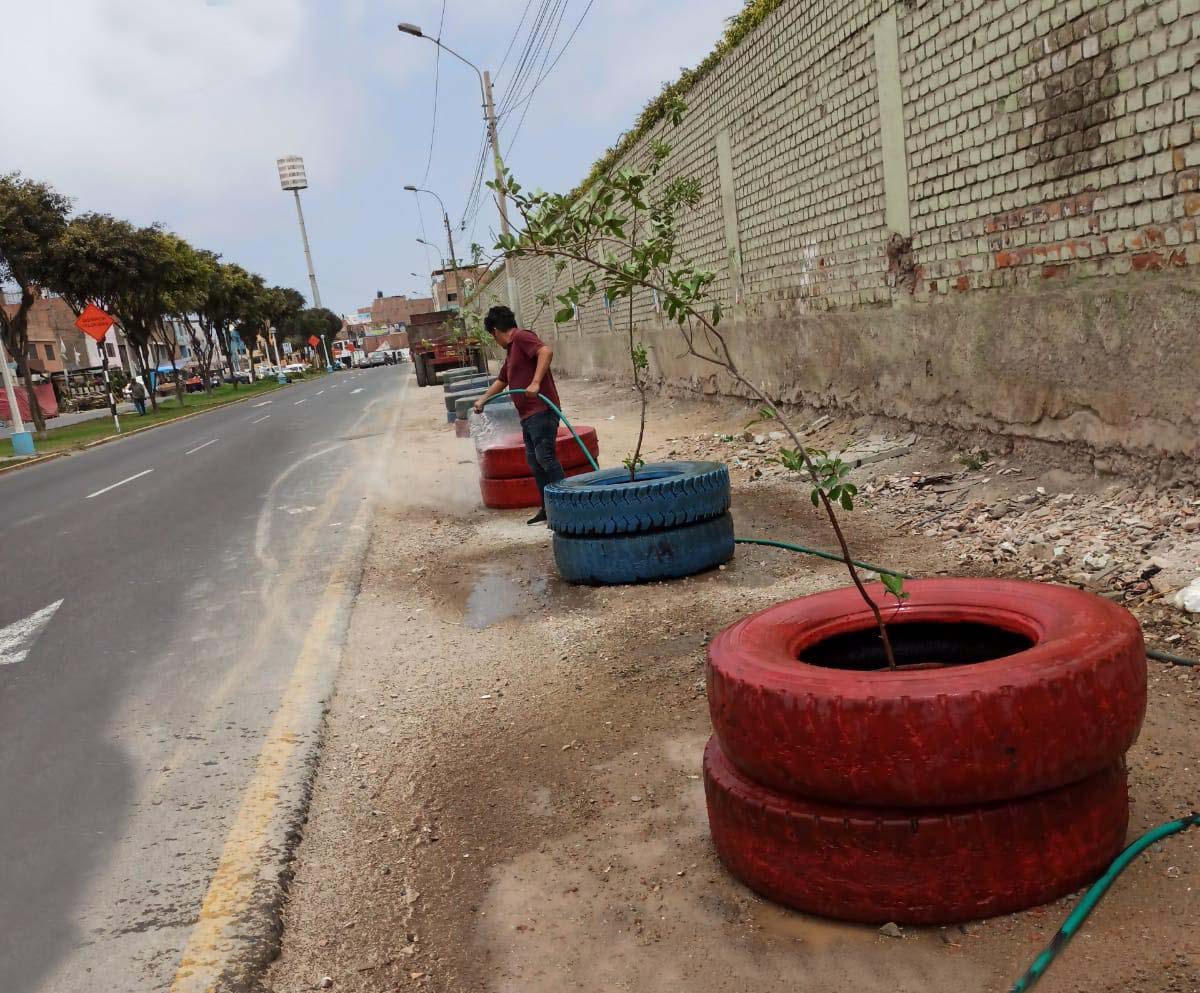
[926,644]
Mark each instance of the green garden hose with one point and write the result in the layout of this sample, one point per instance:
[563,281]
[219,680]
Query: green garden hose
[1093,896]
[821,555]
[561,416]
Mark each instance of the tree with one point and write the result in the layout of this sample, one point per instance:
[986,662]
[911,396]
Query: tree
[319,321]
[182,290]
[251,317]
[204,341]
[281,307]
[147,292]
[621,229]
[90,262]
[32,218]
[229,295]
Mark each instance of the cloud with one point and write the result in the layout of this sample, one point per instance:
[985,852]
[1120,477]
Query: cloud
[176,111]
[167,102]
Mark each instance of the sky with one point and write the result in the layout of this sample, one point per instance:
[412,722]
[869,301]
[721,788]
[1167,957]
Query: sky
[175,112]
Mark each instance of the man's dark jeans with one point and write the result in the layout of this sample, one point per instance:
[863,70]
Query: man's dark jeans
[541,436]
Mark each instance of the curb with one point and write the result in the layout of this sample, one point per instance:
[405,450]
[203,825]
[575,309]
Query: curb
[37,460]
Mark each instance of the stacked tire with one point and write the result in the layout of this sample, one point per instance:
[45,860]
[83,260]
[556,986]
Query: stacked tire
[505,482]
[671,521]
[984,775]
[462,386]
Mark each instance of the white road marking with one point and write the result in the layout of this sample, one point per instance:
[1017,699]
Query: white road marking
[298,402]
[319,392]
[260,420]
[205,445]
[264,403]
[359,390]
[144,472]
[17,639]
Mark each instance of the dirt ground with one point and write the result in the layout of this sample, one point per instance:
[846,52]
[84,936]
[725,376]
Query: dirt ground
[509,798]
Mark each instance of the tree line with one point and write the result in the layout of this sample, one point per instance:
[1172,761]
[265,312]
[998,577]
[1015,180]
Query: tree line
[145,278]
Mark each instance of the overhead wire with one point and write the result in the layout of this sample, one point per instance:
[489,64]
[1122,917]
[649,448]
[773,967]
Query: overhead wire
[532,45]
[437,75]
[524,101]
[511,41]
[476,181]
[528,98]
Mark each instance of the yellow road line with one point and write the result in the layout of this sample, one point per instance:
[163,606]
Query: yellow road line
[244,870]
[240,876]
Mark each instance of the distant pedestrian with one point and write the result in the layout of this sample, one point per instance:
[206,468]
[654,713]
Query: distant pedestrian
[527,367]
[138,392]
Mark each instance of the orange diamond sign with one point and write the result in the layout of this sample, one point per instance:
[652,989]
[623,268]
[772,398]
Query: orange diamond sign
[94,322]
[313,340]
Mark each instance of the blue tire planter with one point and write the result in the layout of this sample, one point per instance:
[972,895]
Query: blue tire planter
[671,521]
[664,495]
[609,560]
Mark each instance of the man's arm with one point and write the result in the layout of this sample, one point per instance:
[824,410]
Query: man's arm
[544,355]
[499,386]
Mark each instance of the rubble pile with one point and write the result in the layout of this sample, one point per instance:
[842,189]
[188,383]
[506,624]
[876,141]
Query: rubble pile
[1117,539]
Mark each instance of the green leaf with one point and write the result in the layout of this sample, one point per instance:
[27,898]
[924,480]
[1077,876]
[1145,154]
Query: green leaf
[847,502]
[564,315]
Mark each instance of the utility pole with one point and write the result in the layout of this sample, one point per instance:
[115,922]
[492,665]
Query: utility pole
[501,200]
[450,239]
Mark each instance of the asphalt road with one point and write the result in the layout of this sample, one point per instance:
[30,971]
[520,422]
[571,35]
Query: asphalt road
[171,614]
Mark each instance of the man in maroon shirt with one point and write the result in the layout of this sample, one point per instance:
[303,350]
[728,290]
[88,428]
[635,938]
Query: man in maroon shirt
[527,367]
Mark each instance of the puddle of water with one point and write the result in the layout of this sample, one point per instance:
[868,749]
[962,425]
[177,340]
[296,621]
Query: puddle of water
[497,595]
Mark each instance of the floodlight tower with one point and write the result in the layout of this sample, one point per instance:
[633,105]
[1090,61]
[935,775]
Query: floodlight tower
[292,178]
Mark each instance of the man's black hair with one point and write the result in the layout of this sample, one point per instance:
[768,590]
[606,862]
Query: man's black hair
[500,318]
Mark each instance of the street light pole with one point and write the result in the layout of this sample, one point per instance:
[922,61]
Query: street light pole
[489,115]
[445,220]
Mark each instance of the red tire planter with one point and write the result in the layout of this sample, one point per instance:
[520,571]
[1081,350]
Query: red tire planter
[914,867]
[506,458]
[509,494]
[1057,712]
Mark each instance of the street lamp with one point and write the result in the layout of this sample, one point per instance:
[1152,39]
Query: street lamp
[445,220]
[489,115]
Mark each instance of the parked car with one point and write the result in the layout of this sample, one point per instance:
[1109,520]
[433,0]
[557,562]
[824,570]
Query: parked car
[299,367]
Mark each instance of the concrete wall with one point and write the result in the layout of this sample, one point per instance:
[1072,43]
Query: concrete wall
[978,213]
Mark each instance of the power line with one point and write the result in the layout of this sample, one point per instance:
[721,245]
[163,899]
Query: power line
[542,78]
[476,181]
[513,39]
[437,75]
[532,42]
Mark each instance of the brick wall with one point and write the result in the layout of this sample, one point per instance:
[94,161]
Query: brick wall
[918,168]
